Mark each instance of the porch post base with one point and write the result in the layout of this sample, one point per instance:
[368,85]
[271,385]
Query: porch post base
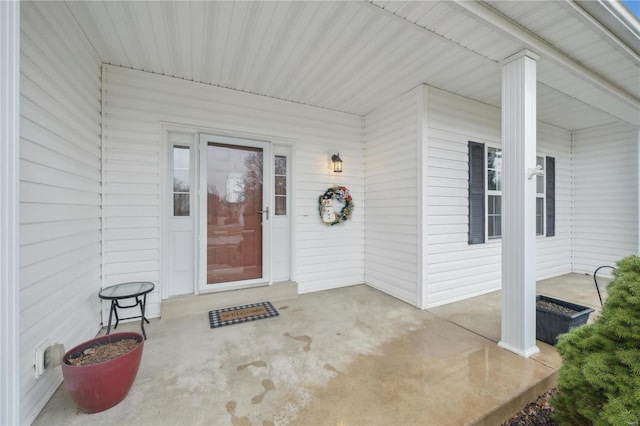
[525,353]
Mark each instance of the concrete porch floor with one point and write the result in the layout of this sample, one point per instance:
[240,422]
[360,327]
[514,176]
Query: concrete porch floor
[351,356]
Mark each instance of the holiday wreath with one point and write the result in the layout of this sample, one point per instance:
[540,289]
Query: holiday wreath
[327,213]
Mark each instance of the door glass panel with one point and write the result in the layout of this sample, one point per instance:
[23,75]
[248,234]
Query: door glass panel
[281,206]
[181,180]
[234,218]
[280,169]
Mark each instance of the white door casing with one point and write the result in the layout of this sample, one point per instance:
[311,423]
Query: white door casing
[183,249]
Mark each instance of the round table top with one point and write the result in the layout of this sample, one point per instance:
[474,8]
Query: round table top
[125,290]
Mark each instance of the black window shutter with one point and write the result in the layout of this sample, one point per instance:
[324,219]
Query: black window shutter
[550,176]
[476,193]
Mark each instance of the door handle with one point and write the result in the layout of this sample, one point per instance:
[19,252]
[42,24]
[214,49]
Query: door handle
[266,210]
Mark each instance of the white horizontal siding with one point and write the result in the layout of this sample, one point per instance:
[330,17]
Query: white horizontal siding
[136,103]
[60,189]
[553,254]
[605,193]
[391,181]
[455,269]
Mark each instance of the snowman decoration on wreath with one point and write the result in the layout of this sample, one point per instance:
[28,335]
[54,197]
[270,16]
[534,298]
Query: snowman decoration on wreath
[328,214]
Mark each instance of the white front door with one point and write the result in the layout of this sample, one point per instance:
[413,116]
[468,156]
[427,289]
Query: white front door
[234,213]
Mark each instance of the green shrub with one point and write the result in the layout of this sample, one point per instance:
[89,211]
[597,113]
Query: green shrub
[599,381]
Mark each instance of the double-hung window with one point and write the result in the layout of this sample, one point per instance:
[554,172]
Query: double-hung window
[485,194]
[494,192]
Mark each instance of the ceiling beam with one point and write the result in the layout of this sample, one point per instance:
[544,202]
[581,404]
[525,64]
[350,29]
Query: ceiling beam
[540,46]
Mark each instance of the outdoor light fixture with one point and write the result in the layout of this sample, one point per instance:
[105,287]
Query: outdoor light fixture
[535,172]
[337,163]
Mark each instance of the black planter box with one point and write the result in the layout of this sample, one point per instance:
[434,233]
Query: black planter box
[550,324]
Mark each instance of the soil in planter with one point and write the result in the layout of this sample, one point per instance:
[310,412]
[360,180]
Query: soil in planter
[103,352]
[555,308]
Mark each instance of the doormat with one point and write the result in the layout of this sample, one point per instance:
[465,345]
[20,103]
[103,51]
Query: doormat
[240,314]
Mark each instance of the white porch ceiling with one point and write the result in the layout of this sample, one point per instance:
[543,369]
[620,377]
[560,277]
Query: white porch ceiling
[355,56]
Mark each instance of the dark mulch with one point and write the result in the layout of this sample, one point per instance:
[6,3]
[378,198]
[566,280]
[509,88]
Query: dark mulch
[538,413]
[104,352]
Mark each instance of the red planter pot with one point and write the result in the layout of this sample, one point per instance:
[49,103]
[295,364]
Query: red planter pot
[99,387]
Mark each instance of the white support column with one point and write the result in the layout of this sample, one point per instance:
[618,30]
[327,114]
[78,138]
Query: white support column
[9,278]
[518,204]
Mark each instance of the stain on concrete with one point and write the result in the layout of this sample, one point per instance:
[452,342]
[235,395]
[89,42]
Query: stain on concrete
[258,363]
[394,387]
[303,338]
[331,368]
[268,423]
[268,385]
[235,420]
[410,380]
[283,308]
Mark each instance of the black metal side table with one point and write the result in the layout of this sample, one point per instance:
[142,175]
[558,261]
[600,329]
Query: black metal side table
[118,292]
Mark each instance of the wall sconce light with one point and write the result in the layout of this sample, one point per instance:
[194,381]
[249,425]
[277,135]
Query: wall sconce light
[337,163]
[535,172]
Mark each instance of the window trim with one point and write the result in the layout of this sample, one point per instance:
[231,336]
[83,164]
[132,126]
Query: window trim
[478,230]
[492,192]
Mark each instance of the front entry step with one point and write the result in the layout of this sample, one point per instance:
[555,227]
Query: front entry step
[202,304]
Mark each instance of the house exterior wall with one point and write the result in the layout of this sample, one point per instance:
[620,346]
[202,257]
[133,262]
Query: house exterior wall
[605,193]
[135,105]
[391,242]
[456,270]
[60,258]
[452,269]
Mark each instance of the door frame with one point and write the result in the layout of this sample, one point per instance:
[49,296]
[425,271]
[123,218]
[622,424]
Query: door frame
[166,185]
